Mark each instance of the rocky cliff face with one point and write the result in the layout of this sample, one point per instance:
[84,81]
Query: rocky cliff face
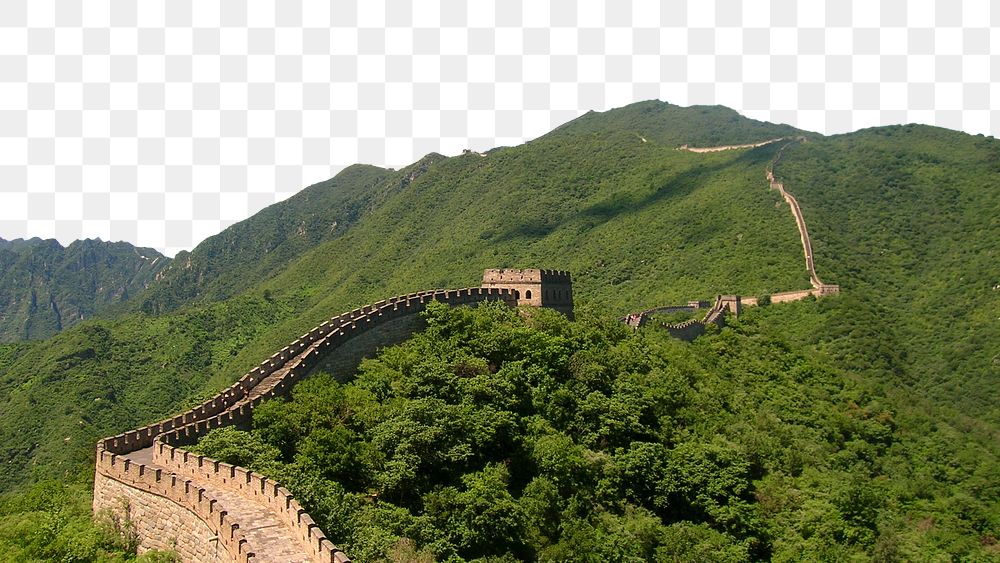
[45,287]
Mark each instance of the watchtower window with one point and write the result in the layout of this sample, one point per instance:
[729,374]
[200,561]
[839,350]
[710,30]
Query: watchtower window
[517,294]
[527,294]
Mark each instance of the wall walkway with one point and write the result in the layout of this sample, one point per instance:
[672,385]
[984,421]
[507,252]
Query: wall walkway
[208,510]
[729,147]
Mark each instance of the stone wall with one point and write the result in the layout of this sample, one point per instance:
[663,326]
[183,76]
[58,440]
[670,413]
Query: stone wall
[160,523]
[552,289]
[146,497]
[730,147]
[821,291]
[690,330]
[693,328]
[343,361]
[148,471]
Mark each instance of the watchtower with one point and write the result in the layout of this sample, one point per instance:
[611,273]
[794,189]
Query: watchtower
[534,287]
[732,302]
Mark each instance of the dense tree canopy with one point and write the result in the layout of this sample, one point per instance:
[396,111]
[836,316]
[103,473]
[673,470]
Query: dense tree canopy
[499,434]
[50,521]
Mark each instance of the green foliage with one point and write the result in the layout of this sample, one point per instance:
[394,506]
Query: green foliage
[498,434]
[237,447]
[50,521]
[257,248]
[60,396]
[859,426]
[632,220]
[905,219]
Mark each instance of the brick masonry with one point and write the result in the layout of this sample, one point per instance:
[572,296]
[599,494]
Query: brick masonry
[211,511]
[160,523]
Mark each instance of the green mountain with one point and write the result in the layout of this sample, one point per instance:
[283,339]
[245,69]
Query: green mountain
[263,245]
[45,288]
[906,219]
[91,278]
[635,221]
[903,218]
[522,436]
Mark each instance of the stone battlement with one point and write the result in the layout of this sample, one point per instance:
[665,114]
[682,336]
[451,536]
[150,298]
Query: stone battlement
[527,274]
[208,510]
[691,328]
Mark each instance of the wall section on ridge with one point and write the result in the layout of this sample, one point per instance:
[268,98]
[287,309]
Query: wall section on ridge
[176,498]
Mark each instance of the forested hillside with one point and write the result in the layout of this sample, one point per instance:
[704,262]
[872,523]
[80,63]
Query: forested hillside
[636,222]
[45,288]
[253,250]
[907,220]
[522,436]
[852,426]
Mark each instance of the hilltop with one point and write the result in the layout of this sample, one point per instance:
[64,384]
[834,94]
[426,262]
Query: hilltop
[638,222]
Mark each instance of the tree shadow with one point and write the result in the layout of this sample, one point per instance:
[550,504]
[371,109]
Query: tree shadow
[678,186]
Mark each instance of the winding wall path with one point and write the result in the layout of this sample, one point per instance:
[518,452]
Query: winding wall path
[692,328]
[208,510]
[730,147]
[800,221]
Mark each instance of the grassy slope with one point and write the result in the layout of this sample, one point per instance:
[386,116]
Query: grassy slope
[907,220]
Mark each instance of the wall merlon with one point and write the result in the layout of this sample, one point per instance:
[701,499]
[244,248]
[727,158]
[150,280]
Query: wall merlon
[234,406]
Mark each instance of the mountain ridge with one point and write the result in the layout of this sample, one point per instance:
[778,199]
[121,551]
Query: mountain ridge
[45,287]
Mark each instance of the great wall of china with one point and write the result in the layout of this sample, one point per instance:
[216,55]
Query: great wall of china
[690,329]
[206,510]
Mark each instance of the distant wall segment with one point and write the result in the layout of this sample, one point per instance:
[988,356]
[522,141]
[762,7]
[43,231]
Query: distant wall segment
[730,147]
[691,329]
[208,510]
[800,223]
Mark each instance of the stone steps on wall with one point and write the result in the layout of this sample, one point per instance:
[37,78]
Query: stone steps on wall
[264,522]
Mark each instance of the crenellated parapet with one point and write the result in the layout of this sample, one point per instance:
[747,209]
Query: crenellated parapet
[186,494]
[691,328]
[209,510]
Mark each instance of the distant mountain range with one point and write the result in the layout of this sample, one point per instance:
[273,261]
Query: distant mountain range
[45,287]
